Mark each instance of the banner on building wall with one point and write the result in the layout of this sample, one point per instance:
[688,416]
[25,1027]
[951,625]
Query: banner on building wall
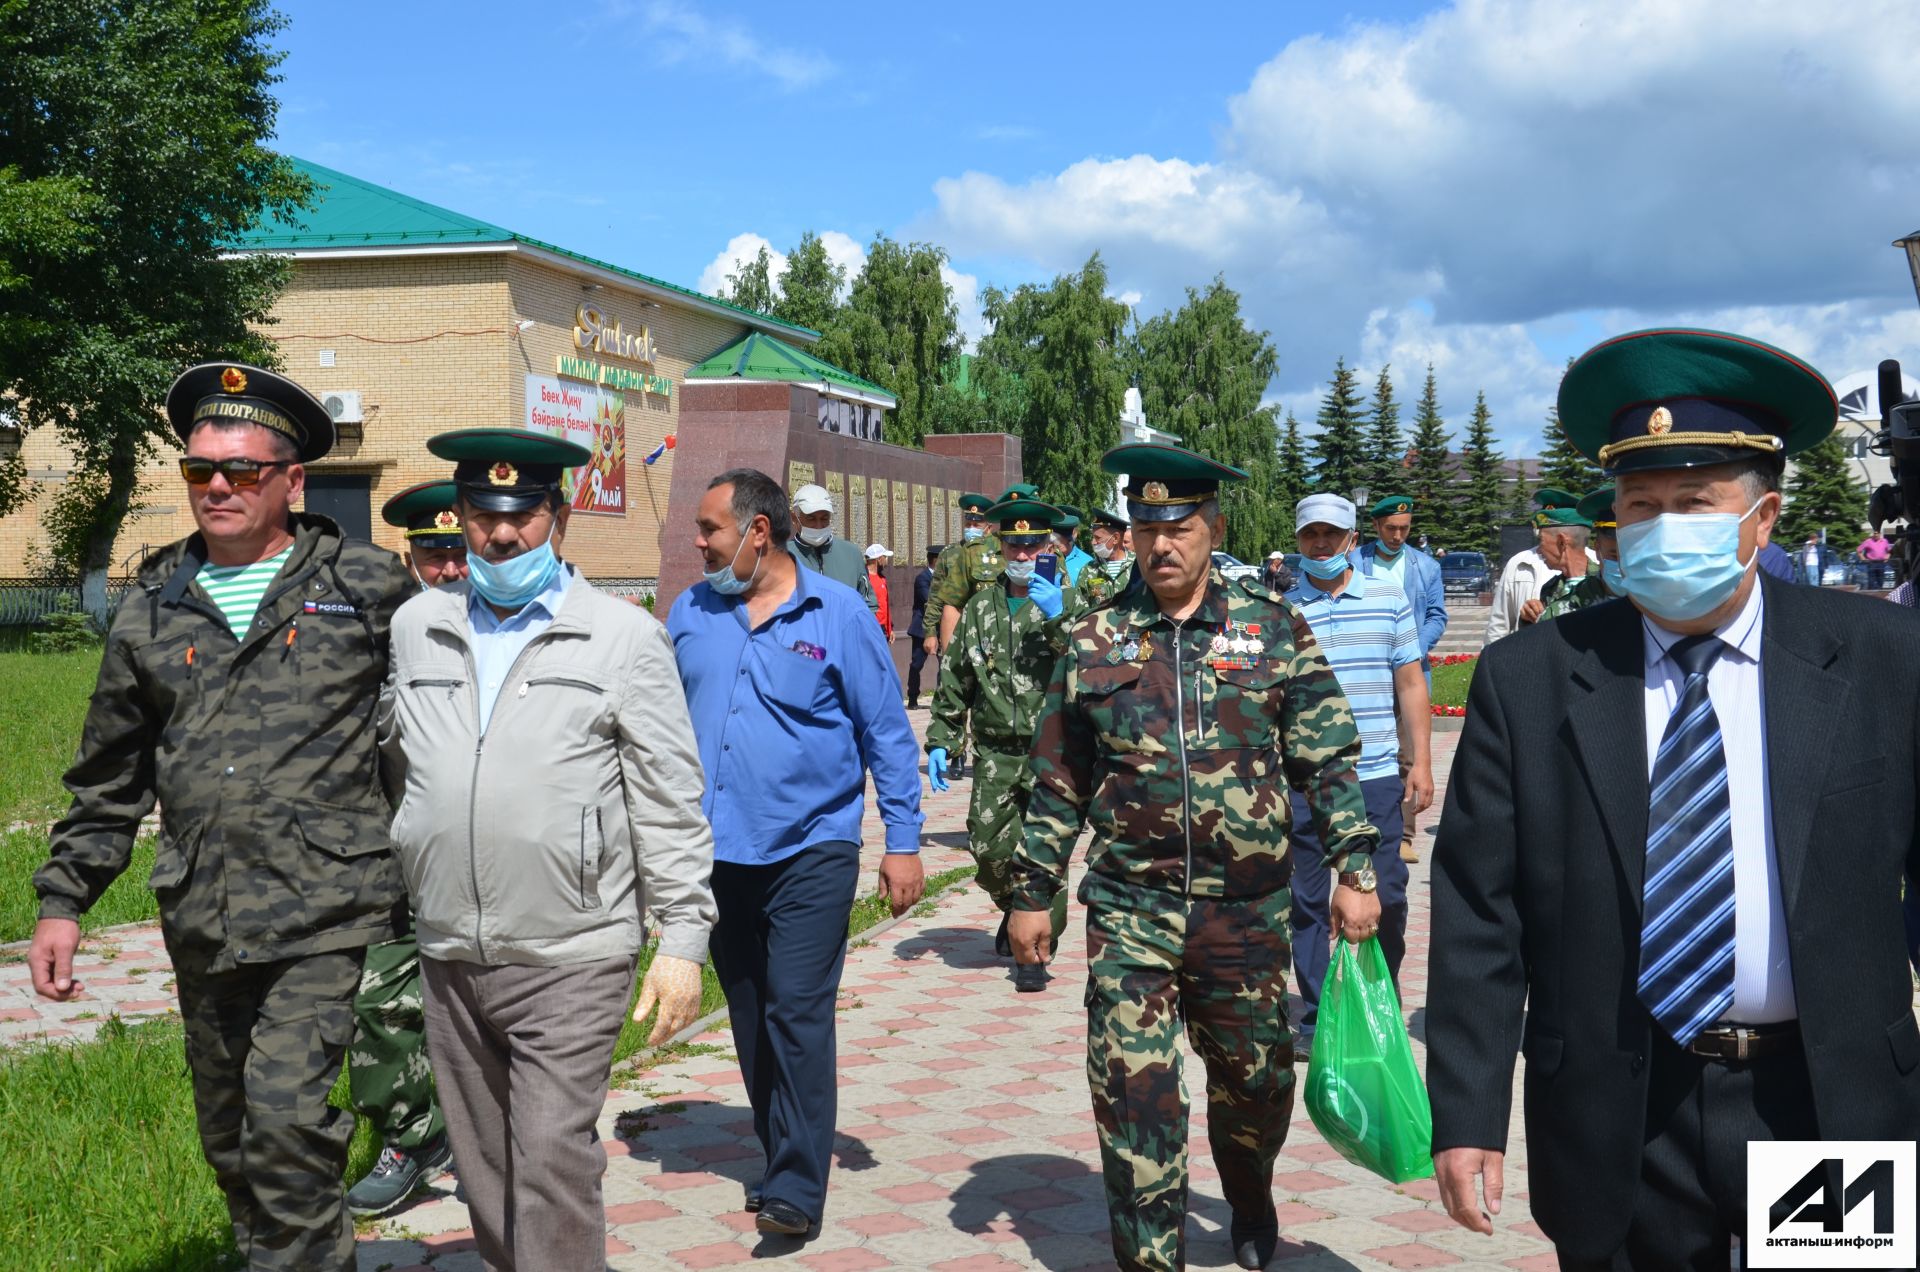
[596,418]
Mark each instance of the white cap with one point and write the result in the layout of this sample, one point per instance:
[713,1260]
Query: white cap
[1333,510]
[878,550]
[810,499]
[1277,554]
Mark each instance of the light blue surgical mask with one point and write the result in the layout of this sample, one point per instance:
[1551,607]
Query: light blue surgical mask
[511,583]
[1385,553]
[1613,577]
[725,581]
[1331,568]
[1019,571]
[970,533]
[1682,565]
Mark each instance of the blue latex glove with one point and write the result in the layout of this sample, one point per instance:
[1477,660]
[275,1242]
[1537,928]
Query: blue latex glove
[1046,595]
[937,768]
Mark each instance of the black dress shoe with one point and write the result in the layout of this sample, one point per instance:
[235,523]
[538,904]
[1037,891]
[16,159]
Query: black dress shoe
[756,1197]
[1029,978]
[1001,945]
[1255,1240]
[777,1216]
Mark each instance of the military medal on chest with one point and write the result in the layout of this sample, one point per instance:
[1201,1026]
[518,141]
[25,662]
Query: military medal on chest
[1236,647]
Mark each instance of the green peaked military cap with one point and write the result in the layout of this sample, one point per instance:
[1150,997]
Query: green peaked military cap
[974,501]
[1019,490]
[250,395]
[1101,517]
[1597,507]
[1066,518]
[1391,506]
[426,510]
[507,469]
[1560,517]
[1679,397]
[1166,483]
[1018,518]
[1554,497]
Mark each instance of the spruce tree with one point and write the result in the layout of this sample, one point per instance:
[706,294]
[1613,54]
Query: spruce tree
[1823,493]
[1483,500]
[1386,453]
[1339,451]
[1563,466]
[1430,480]
[1293,482]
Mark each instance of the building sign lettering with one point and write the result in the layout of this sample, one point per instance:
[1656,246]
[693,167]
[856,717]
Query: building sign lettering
[613,377]
[592,331]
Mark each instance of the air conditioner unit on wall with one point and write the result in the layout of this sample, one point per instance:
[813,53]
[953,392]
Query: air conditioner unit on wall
[343,406]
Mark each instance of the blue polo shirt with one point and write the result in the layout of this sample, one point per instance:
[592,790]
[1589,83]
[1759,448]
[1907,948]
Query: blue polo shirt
[791,717]
[1366,631]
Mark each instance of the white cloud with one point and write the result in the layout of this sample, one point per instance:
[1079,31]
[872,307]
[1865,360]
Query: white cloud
[677,33]
[845,252]
[1485,184]
[966,299]
[740,249]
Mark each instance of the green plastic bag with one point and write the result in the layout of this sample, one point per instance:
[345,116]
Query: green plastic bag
[1363,1091]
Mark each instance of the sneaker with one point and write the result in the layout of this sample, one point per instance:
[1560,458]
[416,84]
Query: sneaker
[1029,978]
[396,1176]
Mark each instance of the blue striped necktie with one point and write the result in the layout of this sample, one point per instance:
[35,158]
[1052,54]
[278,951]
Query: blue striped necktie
[1686,934]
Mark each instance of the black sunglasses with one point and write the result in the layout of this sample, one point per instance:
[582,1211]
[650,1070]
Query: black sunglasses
[238,472]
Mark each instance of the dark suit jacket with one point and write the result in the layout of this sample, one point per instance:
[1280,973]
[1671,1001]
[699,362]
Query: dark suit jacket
[1537,878]
[917,626]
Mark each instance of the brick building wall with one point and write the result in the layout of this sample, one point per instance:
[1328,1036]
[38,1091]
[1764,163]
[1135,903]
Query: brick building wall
[431,342]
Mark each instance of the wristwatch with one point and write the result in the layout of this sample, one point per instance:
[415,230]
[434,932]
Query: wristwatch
[1361,880]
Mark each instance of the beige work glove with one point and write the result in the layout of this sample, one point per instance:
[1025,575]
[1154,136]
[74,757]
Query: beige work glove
[673,984]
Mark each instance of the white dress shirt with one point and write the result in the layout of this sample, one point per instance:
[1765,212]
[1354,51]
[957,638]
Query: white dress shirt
[1762,972]
[1521,579]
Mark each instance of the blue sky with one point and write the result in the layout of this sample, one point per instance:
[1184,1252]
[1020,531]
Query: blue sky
[1489,185]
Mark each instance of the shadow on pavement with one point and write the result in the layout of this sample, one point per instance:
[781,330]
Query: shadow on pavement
[1054,1204]
[956,947]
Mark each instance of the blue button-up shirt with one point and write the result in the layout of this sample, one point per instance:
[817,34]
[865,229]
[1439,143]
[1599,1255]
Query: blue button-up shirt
[497,641]
[791,716]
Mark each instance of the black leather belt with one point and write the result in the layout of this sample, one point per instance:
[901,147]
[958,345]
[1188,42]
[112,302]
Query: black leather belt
[1746,1042]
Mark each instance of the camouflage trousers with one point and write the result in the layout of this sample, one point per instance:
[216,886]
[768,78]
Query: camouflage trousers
[1155,959]
[996,820]
[264,1044]
[387,1069]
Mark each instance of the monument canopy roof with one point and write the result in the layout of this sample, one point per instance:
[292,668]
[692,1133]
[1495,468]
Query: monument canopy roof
[758,356]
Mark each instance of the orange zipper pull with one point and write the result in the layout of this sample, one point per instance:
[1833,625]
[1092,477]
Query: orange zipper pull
[292,631]
[189,653]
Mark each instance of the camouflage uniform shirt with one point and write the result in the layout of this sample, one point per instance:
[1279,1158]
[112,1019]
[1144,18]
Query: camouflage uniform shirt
[1557,598]
[1179,744]
[1099,584]
[997,668]
[959,572]
[260,750]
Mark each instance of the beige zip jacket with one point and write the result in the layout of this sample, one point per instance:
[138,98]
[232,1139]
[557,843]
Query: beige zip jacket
[547,840]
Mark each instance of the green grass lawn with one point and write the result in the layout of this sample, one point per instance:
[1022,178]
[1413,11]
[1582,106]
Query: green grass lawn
[43,700]
[128,900]
[100,1163]
[1450,684]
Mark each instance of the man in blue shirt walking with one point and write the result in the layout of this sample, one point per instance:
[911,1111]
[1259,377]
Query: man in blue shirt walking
[1366,629]
[794,700]
[1418,575]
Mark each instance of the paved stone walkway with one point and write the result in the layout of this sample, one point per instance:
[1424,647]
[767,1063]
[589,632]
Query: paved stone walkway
[966,1142]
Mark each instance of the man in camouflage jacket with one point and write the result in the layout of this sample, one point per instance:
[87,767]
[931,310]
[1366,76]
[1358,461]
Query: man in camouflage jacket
[253,726]
[996,671]
[1175,723]
[965,568]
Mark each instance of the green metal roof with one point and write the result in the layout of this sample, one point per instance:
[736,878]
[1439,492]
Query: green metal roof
[758,356]
[351,213]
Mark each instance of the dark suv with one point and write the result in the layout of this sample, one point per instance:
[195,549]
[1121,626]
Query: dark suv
[1463,572]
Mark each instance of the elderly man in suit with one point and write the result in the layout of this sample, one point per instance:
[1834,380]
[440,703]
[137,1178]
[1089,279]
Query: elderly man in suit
[1668,873]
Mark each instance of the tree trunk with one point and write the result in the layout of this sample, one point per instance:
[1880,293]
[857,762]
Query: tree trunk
[122,479]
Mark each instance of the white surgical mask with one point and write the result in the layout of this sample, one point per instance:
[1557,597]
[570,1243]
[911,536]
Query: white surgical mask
[816,538]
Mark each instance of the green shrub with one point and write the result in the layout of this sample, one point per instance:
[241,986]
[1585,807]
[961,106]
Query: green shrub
[69,629]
